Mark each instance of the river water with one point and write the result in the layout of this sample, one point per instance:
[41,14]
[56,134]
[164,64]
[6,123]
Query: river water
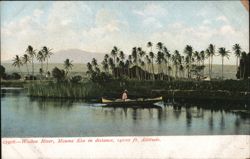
[22,116]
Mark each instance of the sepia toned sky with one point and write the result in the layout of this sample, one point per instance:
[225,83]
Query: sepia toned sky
[98,26]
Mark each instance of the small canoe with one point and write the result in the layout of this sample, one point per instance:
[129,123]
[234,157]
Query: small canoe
[131,102]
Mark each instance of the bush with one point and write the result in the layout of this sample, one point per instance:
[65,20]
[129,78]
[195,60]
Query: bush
[58,74]
[13,76]
[30,77]
[76,79]
[16,76]
[2,71]
[100,77]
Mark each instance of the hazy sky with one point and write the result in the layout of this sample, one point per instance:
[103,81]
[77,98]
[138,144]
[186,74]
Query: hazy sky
[98,26]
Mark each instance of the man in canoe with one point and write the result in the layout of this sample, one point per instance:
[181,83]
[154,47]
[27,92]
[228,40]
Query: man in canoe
[125,95]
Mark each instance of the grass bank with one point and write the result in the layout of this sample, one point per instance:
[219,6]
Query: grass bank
[198,90]
[65,90]
[14,83]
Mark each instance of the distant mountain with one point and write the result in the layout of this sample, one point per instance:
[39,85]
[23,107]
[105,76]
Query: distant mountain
[76,55]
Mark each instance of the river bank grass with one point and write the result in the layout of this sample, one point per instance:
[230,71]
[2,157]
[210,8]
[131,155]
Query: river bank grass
[200,90]
[182,90]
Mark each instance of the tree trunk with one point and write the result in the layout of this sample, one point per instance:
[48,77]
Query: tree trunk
[211,66]
[33,68]
[153,70]
[27,68]
[244,71]
[47,65]
[203,69]
[222,68]
[237,63]
[20,71]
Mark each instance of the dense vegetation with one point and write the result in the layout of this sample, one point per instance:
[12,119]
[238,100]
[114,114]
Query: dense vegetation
[243,71]
[175,73]
[140,64]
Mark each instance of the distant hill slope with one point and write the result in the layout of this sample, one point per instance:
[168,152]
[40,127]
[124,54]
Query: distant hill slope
[76,55]
[229,70]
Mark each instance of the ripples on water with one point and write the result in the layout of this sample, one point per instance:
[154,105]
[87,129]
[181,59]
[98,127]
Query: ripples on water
[23,116]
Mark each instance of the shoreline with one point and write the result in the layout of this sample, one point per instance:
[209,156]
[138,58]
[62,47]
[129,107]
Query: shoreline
[233,90]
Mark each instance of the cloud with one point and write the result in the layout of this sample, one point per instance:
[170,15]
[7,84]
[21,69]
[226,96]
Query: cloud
[222,18]
[37,13]
[227,29]
[151,14]
[206,22]
[151,10]
[152,22]
[178,35]
[107,31]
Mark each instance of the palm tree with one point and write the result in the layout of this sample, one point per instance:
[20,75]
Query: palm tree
[197,57]
[121,55]
[111,65]
[26,60]
[40,57]
[47,53]
[237,52]
[148,62]
[105,65]
[152,56]
[17,62]
[189,52]
[68,65]
[90,68]
[176,58]
[135,60]
[94,62]
[187,65]
[170,70]
[117,67]
[181,69]
[143,66]
[106,56]
[150,44]
[210,53]
[167,56]
[32,53]
[126,66]
[159,59]
[159,46]
[202,56]
[129,64]
[244,61]
[223,53]
[114,53]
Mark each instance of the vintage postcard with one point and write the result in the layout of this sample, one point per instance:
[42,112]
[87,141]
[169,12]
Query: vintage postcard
[125,79]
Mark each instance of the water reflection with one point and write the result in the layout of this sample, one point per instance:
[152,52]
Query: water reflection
[188,117]
[59,117]
[222,121]
[46,104]
[211,121]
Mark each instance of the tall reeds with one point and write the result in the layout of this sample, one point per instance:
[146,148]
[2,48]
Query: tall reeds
[65,90]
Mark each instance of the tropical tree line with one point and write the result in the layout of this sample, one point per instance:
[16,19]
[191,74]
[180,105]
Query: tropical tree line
[243,71]
[30,56]
[186,64]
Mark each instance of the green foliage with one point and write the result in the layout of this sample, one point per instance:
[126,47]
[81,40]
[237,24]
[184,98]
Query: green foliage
[2,71]
[100,77]
[58,74]
[76,79]
[13,76]
[243,71]
[66,90]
